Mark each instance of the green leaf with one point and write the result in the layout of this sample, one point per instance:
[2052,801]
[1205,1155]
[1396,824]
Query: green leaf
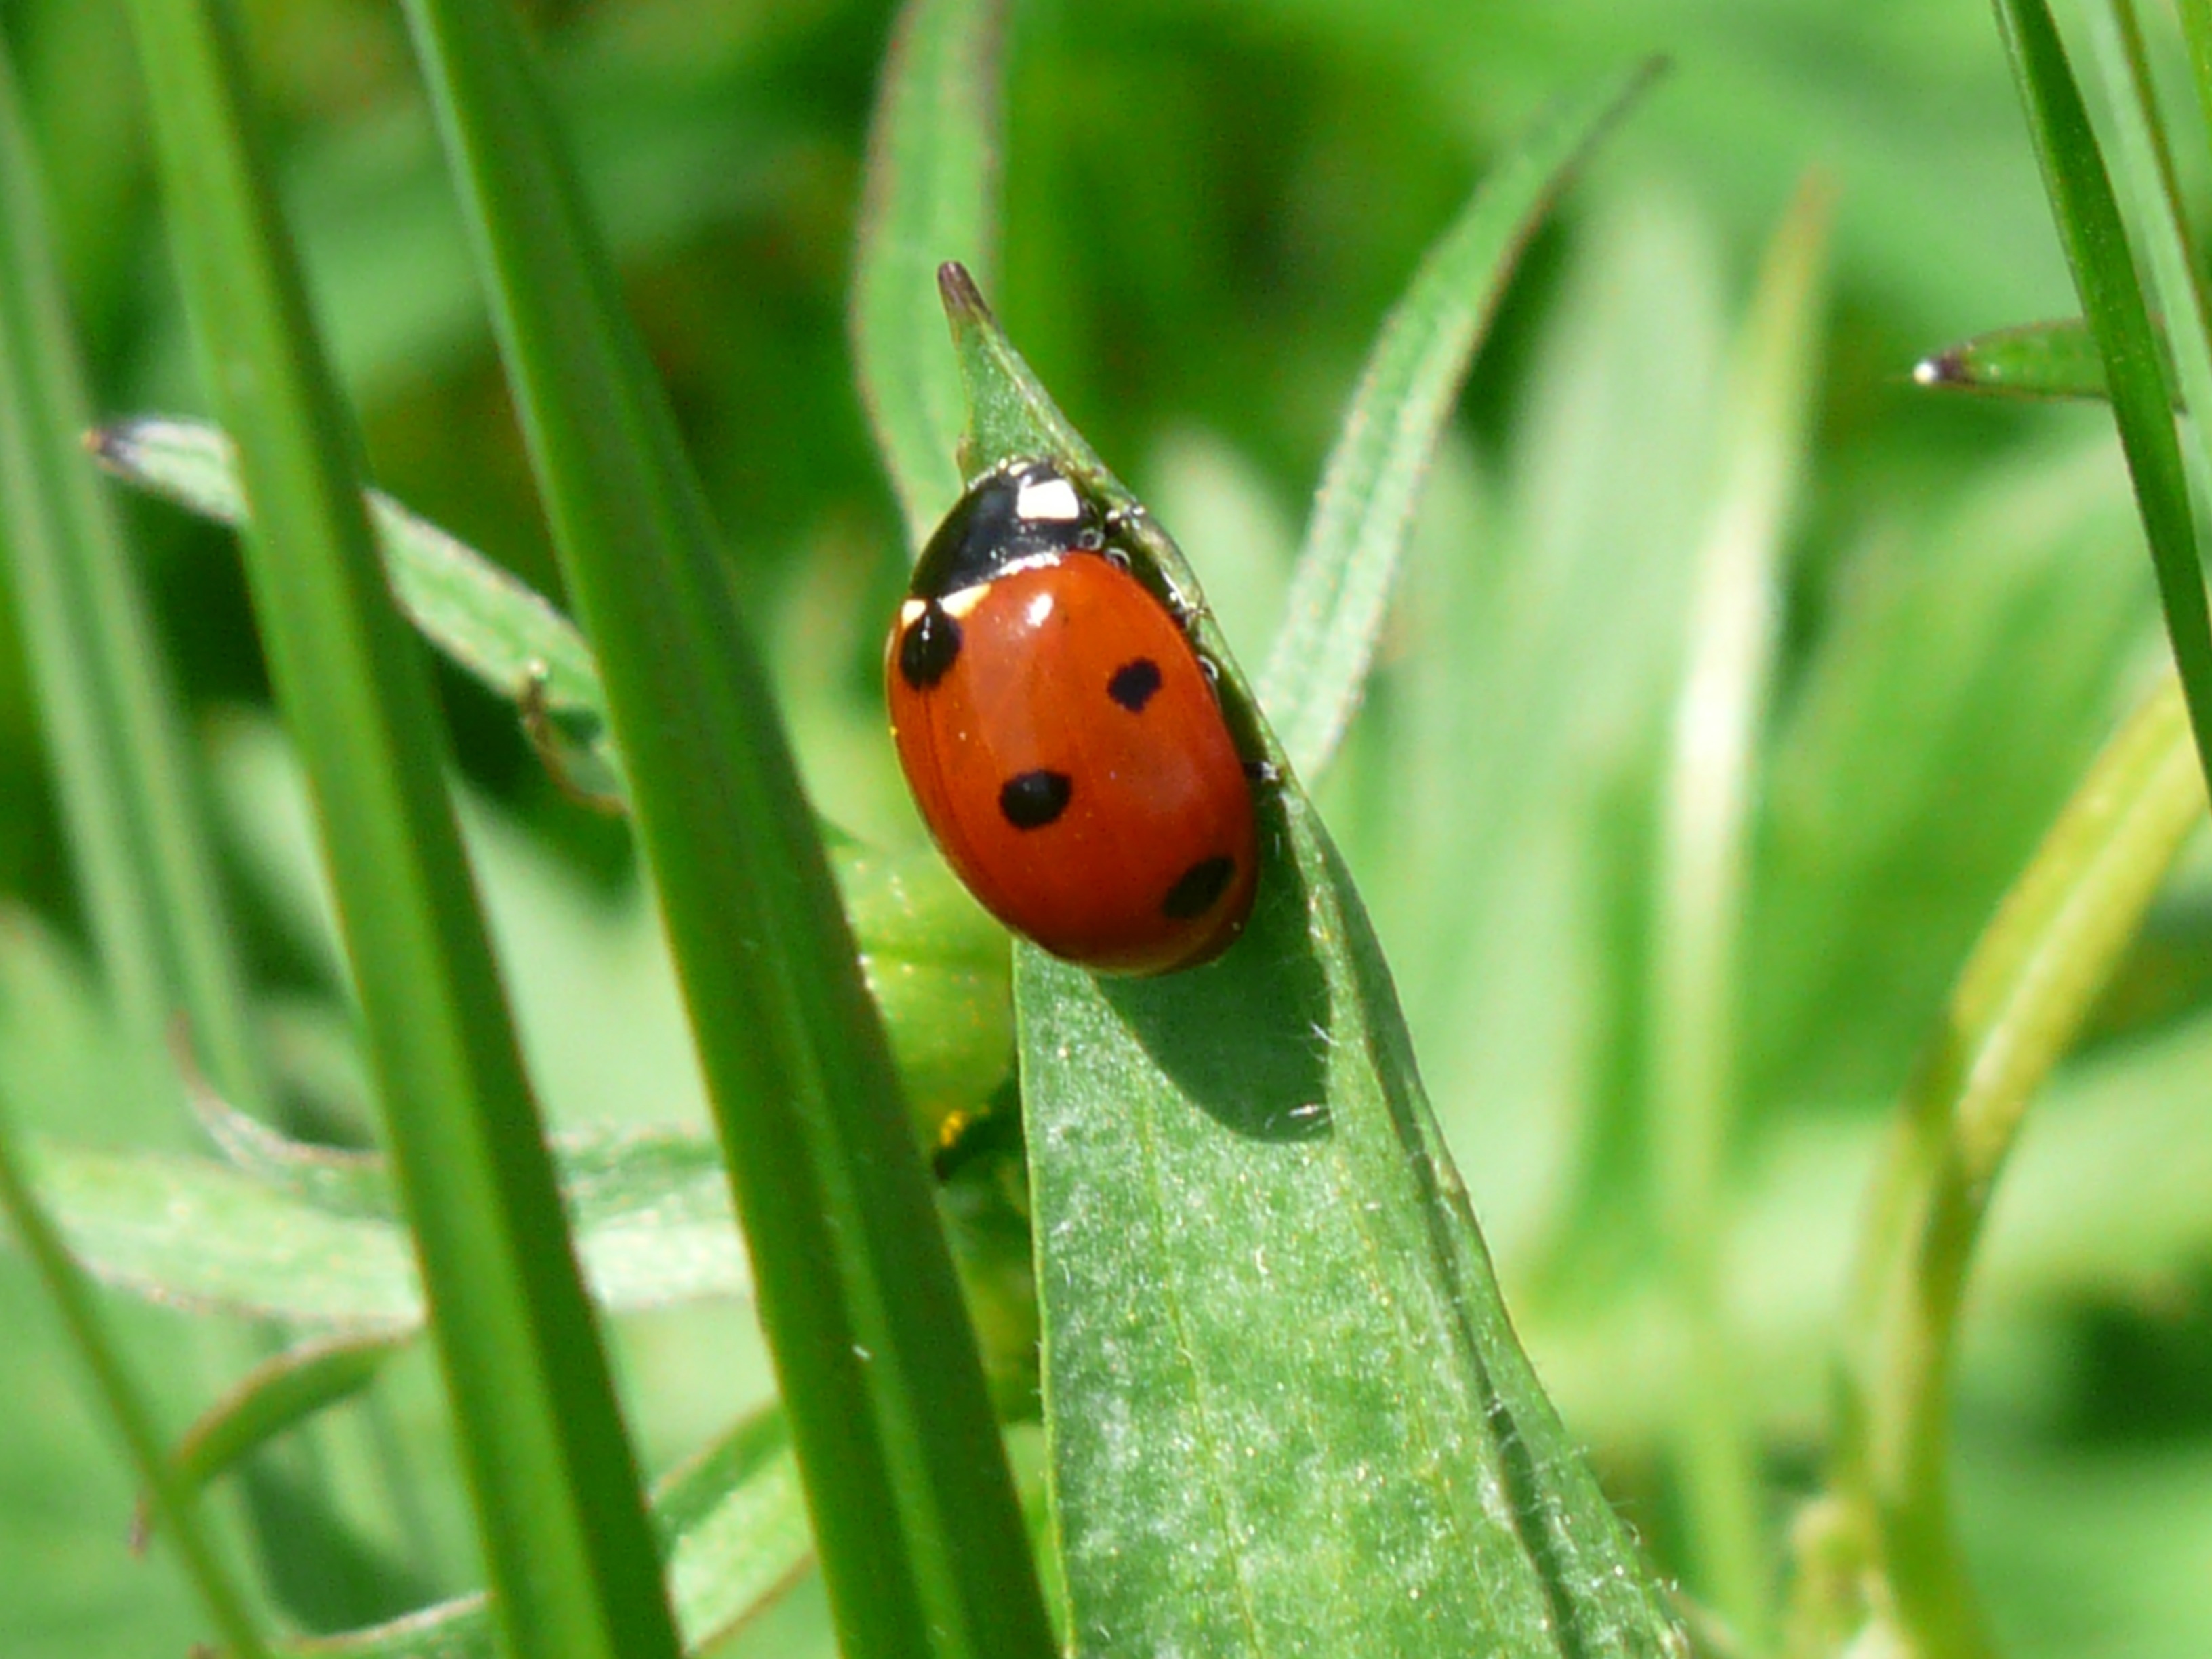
[2037,360]
[932,196]
[335,1179]
[486,622]
[2089,227]
[67,1288]
[732,1521]
[1363,512]
[2146,176]
[650,1214]
[1286,1409]
[921,1541]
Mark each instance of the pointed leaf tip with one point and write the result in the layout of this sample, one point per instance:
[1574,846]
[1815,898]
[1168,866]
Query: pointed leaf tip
[963,300]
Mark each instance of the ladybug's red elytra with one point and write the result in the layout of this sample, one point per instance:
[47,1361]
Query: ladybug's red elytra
[1062,738]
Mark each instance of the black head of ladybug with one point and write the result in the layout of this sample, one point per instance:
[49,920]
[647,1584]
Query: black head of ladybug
[1025,511]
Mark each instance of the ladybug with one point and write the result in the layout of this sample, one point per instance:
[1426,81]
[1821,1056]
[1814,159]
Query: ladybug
[1063,737]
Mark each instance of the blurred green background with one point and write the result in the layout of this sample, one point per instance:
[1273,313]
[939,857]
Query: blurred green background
[1210,205]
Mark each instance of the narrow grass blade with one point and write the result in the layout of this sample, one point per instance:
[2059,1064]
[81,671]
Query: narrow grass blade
[921,1542]
[1697,1005]
[2088,221]
[72,1296]
[137,836]
[1286,1410]
[2145,176]
[2036,362]
[932,196]
[1363,512]
[556,1489]
[2022,998]
[486,622]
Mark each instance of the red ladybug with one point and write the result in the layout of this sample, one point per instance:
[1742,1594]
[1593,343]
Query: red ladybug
[1063,740]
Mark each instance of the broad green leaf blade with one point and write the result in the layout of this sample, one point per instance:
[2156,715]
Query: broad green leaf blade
[1699,885]
[2089,227]
[1364,512]
[488,622]
[137,841]
[2036,361]
[1287,1412]
[2032,980]
[551,1473]
[921,1541]
[279,1394]
[932,196]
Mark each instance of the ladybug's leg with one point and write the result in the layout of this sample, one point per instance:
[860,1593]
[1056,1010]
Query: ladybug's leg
[1118,522]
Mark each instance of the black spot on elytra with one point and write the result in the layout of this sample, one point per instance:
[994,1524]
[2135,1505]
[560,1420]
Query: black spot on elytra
[1030,800]
[1198,887]
[1134,684]
[929,647]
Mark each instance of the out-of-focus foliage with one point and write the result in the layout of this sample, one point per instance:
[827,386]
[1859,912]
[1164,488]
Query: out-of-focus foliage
[1211,206]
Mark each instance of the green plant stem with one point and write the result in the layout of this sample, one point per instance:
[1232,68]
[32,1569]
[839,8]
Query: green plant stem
[1699,887]
[572,1564]
[2020,1000]
[72,1296]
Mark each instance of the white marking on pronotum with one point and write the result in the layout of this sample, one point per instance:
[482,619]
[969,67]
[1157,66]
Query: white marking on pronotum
[1053,500]
[913,611]
[957,606]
